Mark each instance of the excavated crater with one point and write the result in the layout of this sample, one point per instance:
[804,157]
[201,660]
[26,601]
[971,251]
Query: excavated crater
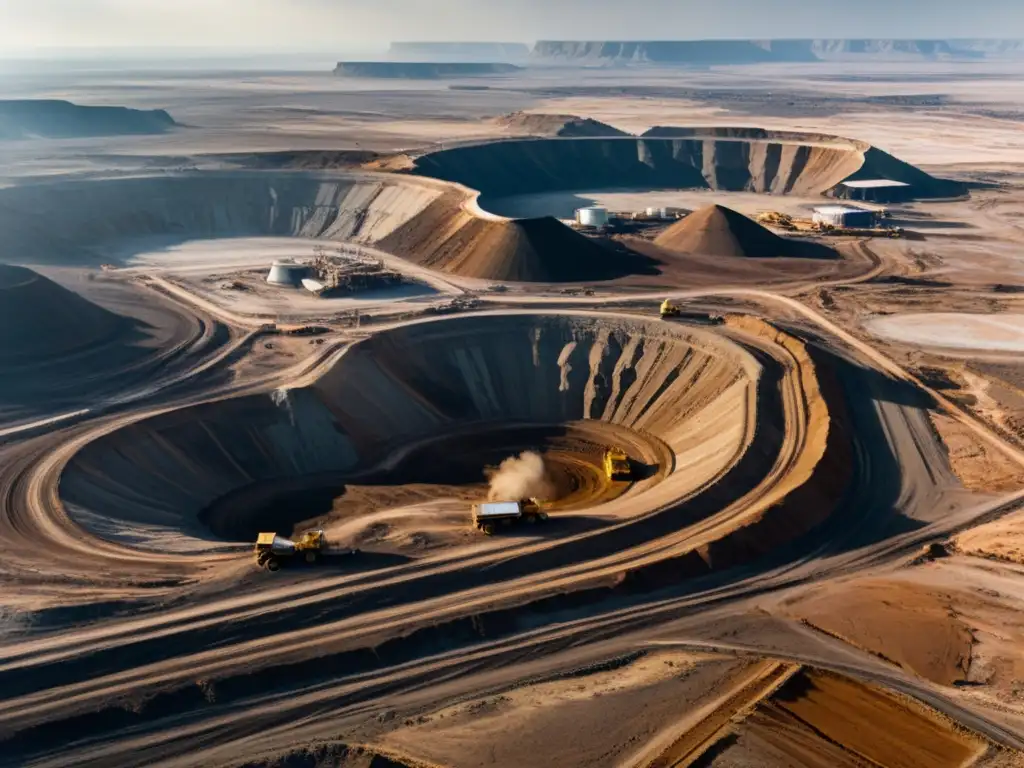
[433,215]
[421,412]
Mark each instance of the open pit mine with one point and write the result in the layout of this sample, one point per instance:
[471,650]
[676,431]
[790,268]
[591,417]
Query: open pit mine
[738,498]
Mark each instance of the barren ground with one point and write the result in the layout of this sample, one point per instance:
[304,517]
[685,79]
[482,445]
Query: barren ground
[817,560]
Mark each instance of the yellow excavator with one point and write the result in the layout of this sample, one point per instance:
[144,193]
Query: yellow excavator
[668,309]
[617,465]
[776,219]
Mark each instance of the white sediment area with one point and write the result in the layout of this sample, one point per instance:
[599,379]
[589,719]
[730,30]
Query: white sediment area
[950,330]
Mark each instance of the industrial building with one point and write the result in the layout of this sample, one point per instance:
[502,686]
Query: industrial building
[844,216]
[875,190]
[287,273]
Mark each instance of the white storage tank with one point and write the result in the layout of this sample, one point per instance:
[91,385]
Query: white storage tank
[287,273]
[844,216]
[592,217]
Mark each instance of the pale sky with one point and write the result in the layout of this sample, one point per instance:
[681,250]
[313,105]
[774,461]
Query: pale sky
[298,25]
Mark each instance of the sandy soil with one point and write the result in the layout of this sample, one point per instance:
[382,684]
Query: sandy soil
[1003,539]
[816,562]
[910,627]
[976,463]
[821,719]
[1002,333]
[720,231]
[660,685]
[232,274]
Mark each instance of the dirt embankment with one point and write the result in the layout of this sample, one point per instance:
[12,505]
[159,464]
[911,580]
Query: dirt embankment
[904,623]
[543,124]
[448,237]
[420,70]
[59,351]
[66,222]
[822,720]
[40,320]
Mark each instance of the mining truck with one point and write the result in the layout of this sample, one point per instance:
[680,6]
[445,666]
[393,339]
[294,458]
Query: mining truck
[668,309]
[488,516]
[272,551]
[616,465]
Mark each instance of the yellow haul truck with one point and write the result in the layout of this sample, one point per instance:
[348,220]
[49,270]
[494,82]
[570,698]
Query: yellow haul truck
[488,516]
[668,309]
[272,551]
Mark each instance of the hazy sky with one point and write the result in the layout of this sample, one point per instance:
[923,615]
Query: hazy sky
[346,24]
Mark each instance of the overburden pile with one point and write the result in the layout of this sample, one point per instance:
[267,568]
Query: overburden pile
[449,238]
[719,231]
[40,319]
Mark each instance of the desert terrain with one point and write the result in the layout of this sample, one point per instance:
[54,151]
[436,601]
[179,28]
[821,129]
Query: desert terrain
[816,557]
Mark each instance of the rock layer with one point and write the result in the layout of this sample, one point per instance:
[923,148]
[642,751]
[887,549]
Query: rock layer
[756,51]
[688,388]
[32,118]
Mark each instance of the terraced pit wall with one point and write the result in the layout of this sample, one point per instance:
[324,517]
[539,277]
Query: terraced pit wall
[69,222]
[685,387]
[730,161]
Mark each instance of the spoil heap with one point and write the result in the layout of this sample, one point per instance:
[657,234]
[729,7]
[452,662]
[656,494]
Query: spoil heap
[719,231]
[40,320]
[449,238]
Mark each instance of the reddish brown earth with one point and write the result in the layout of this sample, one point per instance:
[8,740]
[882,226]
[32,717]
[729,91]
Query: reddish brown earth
[802,568]
[720,231]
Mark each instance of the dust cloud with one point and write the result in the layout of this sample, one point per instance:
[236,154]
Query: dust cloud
[520,477]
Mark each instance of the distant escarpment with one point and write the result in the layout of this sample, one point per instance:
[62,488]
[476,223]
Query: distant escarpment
[51,119]
[486,52]
[707,52]
[420,70]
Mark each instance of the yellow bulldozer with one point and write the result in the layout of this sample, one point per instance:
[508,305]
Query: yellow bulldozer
[776,219]
[272,551]
[617,465]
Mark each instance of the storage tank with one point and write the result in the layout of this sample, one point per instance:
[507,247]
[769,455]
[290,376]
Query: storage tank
[287,273]
[592,217]
[844,216]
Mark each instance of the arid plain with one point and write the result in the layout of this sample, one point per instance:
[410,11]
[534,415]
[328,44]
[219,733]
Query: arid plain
[818,560]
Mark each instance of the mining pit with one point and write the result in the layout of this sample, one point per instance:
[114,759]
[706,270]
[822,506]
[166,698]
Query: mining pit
[813,557]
